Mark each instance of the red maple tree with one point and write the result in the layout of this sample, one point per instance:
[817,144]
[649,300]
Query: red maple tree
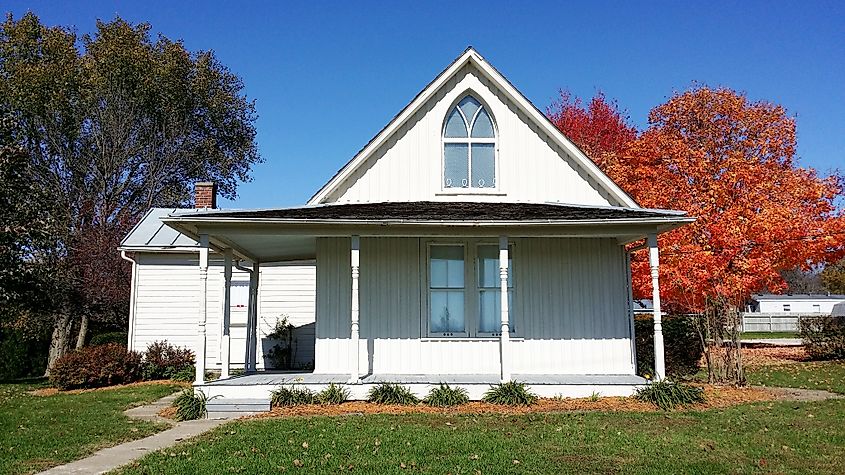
[730,163]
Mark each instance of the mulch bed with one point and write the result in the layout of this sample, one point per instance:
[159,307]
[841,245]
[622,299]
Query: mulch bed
[717,396]
[54,391]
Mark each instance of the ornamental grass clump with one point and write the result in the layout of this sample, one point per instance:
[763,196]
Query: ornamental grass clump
[445,396]
[668,395]
[511,393]
[292,396]
[333,394]
[190,405]
[387,393]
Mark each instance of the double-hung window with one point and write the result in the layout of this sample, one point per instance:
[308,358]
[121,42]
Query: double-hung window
[464,289]
[447,290]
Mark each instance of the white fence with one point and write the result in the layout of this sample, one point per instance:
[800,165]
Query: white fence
[774,322]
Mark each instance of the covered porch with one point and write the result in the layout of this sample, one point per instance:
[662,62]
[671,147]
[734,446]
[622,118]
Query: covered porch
[333,235]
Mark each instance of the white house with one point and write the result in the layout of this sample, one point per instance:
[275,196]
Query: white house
[796,304]
[782,313]
[469,242]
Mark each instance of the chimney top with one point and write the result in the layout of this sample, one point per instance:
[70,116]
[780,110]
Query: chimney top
[205,194]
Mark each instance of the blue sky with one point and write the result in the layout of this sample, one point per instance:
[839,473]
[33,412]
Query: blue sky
[327,76]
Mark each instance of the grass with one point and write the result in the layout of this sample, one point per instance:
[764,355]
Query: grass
[764,437]
[768,335]
[826,375]
[38,432]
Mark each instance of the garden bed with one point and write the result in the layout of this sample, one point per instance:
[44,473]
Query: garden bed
[717,396]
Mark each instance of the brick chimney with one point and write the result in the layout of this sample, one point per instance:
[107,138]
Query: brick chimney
[205,194]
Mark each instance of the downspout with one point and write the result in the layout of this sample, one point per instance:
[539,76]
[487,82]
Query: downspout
[132,293]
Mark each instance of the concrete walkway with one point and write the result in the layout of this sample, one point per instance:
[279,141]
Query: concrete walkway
[111,458]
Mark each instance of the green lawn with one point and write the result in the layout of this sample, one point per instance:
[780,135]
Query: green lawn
[768,335]
[754,438]
[38,432]
[827,375]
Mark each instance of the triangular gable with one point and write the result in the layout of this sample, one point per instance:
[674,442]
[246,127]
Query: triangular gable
[471,57]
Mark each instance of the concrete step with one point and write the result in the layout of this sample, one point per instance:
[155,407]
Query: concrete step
[232,405]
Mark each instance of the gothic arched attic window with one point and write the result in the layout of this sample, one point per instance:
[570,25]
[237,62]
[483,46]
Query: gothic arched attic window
[469,146]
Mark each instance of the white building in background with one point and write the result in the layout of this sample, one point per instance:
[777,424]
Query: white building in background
[802,304]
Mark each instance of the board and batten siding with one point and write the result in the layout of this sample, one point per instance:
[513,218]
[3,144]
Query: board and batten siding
[167,302]
[570,310]
[408,167]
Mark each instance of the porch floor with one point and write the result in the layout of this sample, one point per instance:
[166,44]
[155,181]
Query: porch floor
[277,378]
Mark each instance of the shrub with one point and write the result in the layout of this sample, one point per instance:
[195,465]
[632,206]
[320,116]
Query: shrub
[164,361]
[96,366]
[281,355]
[292,396]
[682,347]
[387,393]
[667,394]
[185,374]
[511,393]
[823,337]
[333,394]
[21,356]
[190,405]
[445,396]
[109,337]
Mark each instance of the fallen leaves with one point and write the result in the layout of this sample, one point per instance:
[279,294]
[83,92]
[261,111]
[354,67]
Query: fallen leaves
[717,396]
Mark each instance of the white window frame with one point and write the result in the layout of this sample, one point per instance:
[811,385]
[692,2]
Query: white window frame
[787,307]
[469,141]
[429,289]
[472,294]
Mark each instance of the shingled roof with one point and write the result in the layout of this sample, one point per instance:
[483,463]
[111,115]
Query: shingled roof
[439,211]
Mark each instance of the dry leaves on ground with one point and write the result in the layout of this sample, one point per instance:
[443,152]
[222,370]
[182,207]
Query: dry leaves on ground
[54,391]
[717,396]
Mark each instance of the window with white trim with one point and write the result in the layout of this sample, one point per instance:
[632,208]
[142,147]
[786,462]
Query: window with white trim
[465,301]
[786,307]
[469,146]
[446,290]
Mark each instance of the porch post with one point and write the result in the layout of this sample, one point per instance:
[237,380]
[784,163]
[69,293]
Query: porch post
[252,320]
[355,259]
[203,310]
[654,263]
[225,340]
[504,337]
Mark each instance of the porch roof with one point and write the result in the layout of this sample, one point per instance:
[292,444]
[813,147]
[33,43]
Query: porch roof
[448,212]
[287,234]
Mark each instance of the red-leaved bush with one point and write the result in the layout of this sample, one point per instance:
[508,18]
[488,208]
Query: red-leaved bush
[165,361]
[96,366]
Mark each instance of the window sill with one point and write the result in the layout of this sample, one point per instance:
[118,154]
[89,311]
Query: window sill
[471,193]
[467,338]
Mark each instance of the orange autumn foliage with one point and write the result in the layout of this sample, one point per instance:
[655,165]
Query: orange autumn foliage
[730,163]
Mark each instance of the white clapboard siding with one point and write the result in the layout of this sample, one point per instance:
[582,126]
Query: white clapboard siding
[167,298]
[570,311]
[289,290]
[408,166]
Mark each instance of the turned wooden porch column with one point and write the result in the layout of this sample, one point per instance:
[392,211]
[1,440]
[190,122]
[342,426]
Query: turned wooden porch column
[504,337]
[203,310]
[654,264]
[225,340]
[355,260]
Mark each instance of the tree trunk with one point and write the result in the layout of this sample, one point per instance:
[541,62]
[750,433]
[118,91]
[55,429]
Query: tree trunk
[60,341]
[83,332]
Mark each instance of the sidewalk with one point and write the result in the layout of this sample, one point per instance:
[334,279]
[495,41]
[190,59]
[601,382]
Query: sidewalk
[113,457]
